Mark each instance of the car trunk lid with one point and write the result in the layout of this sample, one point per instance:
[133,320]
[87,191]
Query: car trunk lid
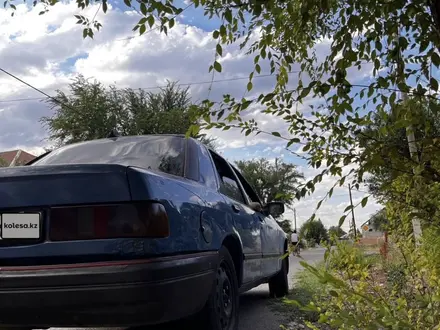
[31,191]
[40,186]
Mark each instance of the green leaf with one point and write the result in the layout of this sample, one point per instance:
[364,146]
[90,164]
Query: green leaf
[341,220]
[305,92]
[150,20]
[435,58]
[215,34]
[319,205]
[85,33]
[364,201]
[127,3]
[392,98]
[171,23]
[268,97]
[434,84]
[277,134]
[324,88]
[104,6]
[348,208]
[306,147]
[228,15]
[249,86]
[142,29]
[292,141]
[217,66]
[258,68]
[143,8]
[333,293]
[219,50]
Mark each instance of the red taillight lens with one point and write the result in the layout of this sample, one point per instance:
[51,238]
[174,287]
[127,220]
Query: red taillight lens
[148,219]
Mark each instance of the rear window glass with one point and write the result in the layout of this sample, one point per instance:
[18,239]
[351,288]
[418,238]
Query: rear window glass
[163,153]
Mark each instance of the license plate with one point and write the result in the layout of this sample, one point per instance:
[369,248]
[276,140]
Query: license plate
[20,225]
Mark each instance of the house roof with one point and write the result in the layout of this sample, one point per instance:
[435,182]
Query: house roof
[16,157]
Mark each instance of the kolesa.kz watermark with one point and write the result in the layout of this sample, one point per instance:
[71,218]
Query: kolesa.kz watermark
[20,225]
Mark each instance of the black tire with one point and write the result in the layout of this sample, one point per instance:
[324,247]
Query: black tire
[221,309]
[279,284]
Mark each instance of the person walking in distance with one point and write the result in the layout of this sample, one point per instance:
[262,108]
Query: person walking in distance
[294,242]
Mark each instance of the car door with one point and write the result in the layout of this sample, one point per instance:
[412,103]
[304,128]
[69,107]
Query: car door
[247,225]
[272,243]
[272,236]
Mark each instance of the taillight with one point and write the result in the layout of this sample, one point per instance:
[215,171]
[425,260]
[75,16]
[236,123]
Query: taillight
[140,219]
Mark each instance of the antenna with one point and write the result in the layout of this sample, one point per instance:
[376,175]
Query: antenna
[113,134]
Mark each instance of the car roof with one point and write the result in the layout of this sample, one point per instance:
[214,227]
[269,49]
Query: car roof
[127,138]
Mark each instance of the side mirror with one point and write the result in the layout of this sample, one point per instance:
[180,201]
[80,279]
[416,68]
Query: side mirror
[275,209]
[256,207]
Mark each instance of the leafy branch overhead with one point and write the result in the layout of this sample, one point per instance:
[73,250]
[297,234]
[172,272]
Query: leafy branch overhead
[395,43]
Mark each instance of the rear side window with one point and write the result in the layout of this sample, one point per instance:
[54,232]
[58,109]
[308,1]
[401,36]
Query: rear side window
[249,191]
[206,168]
[154,152]
[228,182]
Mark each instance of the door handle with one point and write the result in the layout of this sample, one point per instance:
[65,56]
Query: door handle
[235,208]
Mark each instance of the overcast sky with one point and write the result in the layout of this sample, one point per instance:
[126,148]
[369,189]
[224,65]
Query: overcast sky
[47,51]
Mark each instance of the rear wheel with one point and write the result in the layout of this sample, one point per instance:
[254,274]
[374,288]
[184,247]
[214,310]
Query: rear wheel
[279,284]
[221,310]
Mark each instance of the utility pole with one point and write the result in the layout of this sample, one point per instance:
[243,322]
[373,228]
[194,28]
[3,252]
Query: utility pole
[412,146]
[352,212]
[294,216]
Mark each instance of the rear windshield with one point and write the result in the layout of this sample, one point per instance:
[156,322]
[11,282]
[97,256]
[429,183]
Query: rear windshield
[163,153]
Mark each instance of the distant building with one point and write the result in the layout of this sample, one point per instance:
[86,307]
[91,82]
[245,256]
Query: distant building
[15,157]
[368,231]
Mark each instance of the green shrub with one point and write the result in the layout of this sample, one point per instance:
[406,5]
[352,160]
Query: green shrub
[396,276]
[349,258]
[306,290]
[311,243]
[361,292]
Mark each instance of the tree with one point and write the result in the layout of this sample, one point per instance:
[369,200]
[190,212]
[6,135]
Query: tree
[391,151]
[3,163]
[91,111]
[378,221]
[271,181]
[286,226]
[314,231]
[336,231]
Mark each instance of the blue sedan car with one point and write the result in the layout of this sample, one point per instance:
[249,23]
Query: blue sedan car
[133,231]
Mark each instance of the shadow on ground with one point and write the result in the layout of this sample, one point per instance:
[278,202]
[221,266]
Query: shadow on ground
[254,314]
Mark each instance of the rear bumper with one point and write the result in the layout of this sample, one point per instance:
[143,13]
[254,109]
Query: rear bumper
[106,294]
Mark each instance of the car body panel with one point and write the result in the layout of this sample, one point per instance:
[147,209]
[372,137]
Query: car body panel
[123,293]
[273,244]
[32,186]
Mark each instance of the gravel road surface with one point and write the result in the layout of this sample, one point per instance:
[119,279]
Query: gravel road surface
[255,311]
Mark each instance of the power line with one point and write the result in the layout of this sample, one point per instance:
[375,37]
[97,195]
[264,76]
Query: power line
[24,82]
[144,88]
[23,99]
[35,88]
